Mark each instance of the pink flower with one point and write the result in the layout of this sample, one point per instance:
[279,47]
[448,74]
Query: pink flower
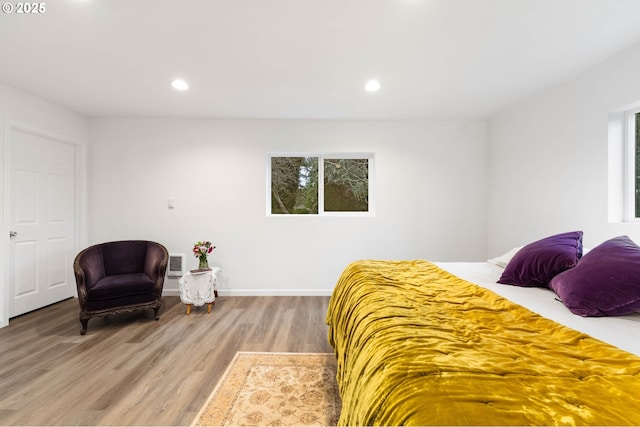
[201,249]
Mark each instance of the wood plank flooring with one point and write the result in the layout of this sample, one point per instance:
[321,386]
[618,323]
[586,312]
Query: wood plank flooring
[132,370]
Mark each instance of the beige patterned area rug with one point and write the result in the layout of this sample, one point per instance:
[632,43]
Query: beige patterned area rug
[275,389]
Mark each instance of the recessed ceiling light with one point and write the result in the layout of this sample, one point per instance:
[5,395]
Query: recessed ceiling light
[179,84]
[372,86]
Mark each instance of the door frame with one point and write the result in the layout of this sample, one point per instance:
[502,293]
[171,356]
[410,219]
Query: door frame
[81,198]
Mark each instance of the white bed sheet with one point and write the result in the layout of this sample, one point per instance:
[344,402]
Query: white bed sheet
[620,331]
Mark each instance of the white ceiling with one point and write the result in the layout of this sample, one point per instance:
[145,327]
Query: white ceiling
[435,59]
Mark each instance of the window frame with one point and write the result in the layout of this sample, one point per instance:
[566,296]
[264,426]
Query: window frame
[370,156]
[630,166]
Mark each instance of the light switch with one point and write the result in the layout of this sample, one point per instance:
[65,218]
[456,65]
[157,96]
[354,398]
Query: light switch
[172,203]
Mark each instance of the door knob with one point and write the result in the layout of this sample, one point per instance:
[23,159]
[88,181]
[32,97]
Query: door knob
[13,233]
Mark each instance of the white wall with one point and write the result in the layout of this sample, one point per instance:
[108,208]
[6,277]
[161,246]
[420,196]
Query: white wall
[34,112]
[547,172]
[549,158]
[431,187]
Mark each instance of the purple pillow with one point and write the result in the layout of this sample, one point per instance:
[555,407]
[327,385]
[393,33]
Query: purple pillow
[538,262]
[606,282]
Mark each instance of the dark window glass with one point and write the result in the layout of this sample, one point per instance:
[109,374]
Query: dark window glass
[637,174]
[294,185]
[346,185]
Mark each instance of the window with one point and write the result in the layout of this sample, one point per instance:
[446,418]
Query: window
[320,184]
[636,143]
[633,168]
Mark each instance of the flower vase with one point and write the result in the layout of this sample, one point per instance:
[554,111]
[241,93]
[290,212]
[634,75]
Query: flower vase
[203,263]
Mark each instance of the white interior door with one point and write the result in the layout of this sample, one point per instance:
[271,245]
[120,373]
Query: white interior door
[42,221]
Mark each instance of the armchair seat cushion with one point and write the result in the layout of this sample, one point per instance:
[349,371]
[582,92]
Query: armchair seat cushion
[121,285]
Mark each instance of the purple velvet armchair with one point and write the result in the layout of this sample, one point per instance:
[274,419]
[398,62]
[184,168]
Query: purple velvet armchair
[118,277]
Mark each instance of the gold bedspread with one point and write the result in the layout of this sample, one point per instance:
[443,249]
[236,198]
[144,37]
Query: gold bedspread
[419,346]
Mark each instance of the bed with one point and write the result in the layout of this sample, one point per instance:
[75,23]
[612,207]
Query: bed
[423,343]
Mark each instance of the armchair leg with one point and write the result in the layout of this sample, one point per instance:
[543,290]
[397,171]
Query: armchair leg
[84,322]
[156,310]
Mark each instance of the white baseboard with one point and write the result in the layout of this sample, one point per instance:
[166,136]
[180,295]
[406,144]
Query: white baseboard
[262,292]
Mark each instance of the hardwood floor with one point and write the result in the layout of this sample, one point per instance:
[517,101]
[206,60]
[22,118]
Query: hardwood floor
[132,370]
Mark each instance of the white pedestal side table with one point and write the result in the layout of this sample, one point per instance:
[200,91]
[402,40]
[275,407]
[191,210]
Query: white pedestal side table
[199,288]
